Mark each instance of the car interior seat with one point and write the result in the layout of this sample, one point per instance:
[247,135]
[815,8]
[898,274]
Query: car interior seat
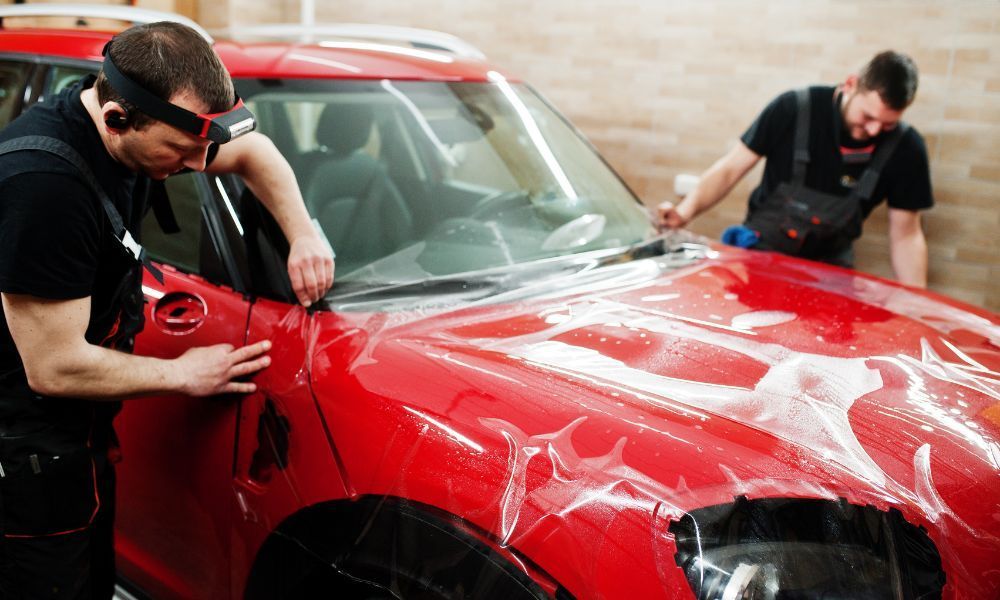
[350,193]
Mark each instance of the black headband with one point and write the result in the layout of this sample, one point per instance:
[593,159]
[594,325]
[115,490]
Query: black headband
[217,127]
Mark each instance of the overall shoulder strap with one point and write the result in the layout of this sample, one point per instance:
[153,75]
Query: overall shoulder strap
[866,184]
[67,153]
[800,155]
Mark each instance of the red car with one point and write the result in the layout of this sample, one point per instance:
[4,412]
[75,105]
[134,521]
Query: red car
[516,389]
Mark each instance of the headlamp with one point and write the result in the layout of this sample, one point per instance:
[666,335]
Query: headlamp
[217,127]
[804,549]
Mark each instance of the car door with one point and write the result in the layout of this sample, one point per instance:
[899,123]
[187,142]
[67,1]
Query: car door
[175,480]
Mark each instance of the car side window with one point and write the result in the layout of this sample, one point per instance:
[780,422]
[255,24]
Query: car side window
[61,77]
[12,80]
[209,243]
[181,249]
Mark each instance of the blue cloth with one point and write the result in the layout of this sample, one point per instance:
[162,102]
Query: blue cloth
[740,236]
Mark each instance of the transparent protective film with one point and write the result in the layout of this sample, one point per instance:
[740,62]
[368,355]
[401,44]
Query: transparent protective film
[734,426]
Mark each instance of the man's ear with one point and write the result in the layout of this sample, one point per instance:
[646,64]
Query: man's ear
[850,85]
[116,116]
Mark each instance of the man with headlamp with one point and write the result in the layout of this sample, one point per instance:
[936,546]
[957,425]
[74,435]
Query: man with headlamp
[75,174]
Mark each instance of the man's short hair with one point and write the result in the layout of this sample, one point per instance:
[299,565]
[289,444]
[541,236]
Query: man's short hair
[167,58]
[893,76]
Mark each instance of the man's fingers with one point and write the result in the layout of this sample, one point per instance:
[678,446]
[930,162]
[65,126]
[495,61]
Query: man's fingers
[668,217]
[311,281]
[250,366]
[662,218]
[239,387]
[298,286]
[306,289]
[310,269]
[325,275]
[246,361]
[249,352]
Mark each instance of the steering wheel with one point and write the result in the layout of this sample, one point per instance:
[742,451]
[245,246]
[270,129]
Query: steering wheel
[497,203]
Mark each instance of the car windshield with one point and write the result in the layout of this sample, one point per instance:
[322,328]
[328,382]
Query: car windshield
[415,180]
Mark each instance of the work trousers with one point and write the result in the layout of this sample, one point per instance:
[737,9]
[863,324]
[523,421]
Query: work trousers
[74,565]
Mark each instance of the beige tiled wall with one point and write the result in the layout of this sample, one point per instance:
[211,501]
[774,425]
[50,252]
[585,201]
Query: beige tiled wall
[666,86]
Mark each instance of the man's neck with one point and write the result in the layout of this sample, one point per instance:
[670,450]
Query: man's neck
[91,104]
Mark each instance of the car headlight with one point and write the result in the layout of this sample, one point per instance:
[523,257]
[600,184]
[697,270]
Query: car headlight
[792,549]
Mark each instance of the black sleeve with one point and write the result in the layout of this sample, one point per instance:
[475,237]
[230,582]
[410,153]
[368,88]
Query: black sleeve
[49,236]
[773,124]
[908,175]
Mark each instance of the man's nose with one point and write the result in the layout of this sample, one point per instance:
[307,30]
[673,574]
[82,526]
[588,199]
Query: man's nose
[196,160]
[873,128]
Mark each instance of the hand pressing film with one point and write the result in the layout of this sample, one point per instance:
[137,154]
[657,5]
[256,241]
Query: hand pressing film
[214,370]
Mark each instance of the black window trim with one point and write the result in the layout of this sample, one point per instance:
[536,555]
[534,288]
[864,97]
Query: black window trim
[265,248]
[222,237]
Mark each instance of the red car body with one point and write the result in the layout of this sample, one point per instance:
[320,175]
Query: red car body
[562,428]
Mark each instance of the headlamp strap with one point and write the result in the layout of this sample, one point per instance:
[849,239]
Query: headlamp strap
[231,124]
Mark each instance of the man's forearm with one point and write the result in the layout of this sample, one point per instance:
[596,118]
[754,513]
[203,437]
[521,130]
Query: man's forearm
[59,361]
[271,179]
[718,181]
[909,259]
[93,372]
[713,187]
[80,370]
[908,247]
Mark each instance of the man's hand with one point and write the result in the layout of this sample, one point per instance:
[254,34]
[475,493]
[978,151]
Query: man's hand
[713,185]
[669,216]
[59,361]
[211,370]
[310,268]
[269,176]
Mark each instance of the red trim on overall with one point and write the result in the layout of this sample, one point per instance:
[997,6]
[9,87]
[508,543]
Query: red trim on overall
[844,150]
[114,330]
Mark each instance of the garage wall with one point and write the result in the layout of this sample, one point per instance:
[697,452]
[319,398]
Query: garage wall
[666,87]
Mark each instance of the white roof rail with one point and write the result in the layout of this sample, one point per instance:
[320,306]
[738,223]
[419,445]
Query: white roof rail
[129,14]
[420,38]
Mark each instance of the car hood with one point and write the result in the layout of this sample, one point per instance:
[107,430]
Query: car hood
[637,389]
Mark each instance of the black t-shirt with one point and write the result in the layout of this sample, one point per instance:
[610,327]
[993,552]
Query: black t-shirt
[905,180]
[56,242]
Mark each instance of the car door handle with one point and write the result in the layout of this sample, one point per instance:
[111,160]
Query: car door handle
[179,313]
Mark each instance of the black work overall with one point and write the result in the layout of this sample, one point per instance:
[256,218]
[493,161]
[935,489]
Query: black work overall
[804,222]
[56,479]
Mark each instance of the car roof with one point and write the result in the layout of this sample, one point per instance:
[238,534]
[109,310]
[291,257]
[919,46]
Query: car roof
[341,59]
[348,59]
